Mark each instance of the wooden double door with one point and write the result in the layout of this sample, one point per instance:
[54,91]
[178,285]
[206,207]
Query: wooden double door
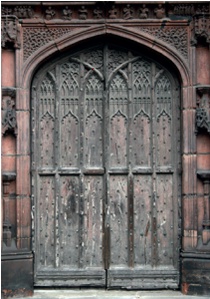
[105,171]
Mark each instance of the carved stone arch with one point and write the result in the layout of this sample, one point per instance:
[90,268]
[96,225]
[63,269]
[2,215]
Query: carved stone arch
[149,42]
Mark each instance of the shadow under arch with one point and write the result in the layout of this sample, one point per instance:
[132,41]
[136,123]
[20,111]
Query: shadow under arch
[149,45]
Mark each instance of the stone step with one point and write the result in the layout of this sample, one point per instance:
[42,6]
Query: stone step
[108,294]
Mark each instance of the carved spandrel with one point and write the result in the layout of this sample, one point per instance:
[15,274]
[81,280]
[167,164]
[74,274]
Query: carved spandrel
[36,37]
[177,37]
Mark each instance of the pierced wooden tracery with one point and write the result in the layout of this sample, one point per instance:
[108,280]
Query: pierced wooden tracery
[105,172]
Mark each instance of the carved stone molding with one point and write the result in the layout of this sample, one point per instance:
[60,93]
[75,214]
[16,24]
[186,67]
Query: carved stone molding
[20,11]
[201,29]
[203,108]
[10,35]
[189,9]
[105,10]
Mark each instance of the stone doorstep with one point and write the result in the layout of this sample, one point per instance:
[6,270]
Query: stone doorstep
[111,294]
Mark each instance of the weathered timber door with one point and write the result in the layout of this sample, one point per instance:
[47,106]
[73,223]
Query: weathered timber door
[105,179]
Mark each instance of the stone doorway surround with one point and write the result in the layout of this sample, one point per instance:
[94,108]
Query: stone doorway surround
[32,33]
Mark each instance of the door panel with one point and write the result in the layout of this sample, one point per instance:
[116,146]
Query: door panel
[118,220]
[105,154]
[46,224]
[69,221]
[142,219]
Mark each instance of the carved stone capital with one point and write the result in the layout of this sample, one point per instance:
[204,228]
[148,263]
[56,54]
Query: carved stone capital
[10,34]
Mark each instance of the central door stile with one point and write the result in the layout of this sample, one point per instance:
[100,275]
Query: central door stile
[106,203]
[153,191]
[130,174]
[81,161]
[57,177]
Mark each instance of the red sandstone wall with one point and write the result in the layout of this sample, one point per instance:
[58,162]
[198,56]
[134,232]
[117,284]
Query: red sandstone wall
[19,60]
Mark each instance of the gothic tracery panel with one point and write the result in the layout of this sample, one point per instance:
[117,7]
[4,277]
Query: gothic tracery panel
[47,122]
[164,121]
[93,122]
